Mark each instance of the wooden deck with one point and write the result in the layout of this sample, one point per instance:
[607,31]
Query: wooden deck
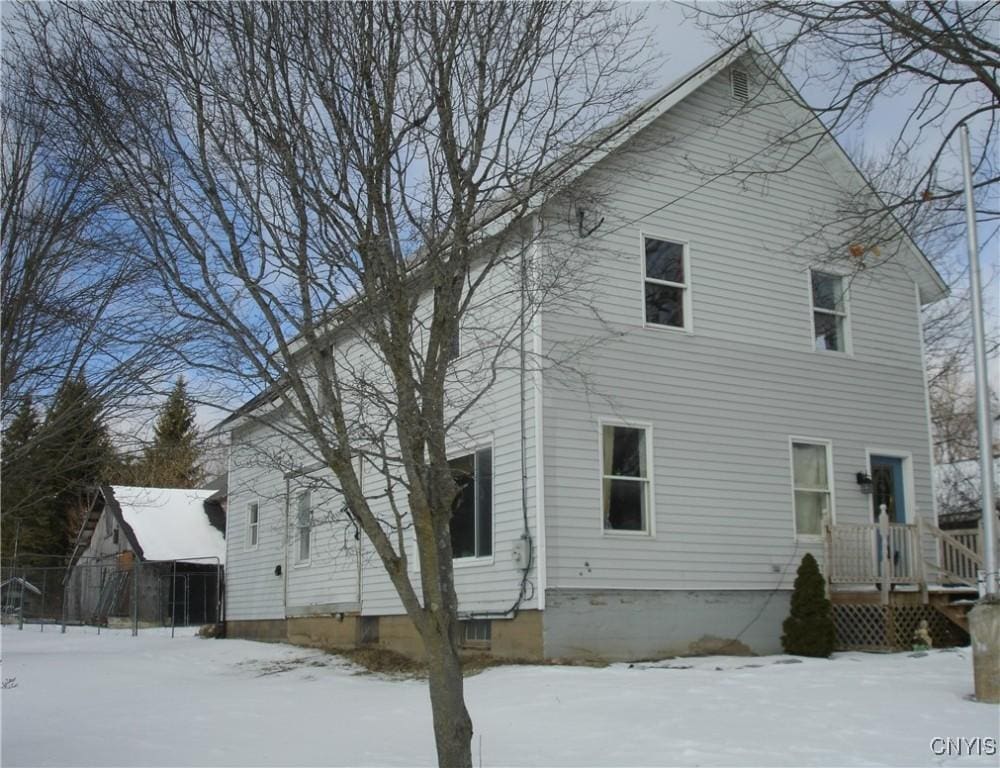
[884,579]
[889,556]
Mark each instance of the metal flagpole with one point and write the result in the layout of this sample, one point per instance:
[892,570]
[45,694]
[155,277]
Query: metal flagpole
[983,420]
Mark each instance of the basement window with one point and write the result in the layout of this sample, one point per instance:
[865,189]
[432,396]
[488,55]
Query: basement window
[477,633]
[472,510]
[369,630]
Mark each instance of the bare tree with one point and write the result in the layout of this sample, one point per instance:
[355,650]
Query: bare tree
[75,304]
[919,71]
[937,60]
[332,192]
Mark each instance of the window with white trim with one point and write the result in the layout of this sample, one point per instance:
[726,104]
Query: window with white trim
[811,474]
[666,282]
[472,510]
[303,522]
[829,308]
[253,524]
[625,478]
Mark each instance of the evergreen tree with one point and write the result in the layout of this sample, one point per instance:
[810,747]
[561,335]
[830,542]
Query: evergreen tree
[21,489]
[174,458]
[49,469]
[809,629]
[76,450]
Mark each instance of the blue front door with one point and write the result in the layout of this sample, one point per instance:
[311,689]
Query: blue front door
[887,488]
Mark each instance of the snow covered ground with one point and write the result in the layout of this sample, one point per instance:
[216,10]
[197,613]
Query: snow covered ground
[114,700]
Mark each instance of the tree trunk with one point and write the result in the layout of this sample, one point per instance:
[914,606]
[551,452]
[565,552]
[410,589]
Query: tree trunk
[452,724]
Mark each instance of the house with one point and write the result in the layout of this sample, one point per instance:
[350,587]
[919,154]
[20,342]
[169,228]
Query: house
[148,555]
[747,402]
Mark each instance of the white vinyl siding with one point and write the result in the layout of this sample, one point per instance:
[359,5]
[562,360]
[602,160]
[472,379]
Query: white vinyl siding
[343,570]
[723,401]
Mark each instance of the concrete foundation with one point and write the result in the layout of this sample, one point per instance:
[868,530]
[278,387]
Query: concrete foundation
[519,638]
[266,630]
[612,625]
[328,632]
[984,628]
[628,625]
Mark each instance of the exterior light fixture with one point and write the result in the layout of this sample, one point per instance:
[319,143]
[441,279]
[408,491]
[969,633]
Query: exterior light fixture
[864,482]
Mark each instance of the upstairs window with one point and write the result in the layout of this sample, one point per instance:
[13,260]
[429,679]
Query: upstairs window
[303,522]
[625,478]
[811,474]
[472,511]
[666,283]
[829,310]
[253,525]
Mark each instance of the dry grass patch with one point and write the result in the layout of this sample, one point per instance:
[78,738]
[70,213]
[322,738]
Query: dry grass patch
[381,661]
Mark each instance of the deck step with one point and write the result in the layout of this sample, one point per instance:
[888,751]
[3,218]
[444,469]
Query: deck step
[957,613]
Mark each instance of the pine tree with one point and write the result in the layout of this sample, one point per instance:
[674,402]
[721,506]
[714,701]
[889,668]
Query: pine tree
[49,469]
[21,489]
[76,451]
[174,458]
[809,629]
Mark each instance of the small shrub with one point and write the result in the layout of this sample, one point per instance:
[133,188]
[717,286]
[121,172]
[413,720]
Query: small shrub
[809,628]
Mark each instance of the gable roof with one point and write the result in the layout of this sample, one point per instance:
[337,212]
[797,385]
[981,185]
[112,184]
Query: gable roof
[604,141]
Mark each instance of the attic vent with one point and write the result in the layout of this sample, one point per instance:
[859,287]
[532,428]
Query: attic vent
[740,83]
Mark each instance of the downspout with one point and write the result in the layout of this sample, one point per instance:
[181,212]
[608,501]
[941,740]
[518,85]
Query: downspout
[536,338]
[229,476]
[284,540]
[525,538]
[357,531]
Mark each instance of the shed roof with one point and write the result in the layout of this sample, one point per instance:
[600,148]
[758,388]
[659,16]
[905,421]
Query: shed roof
[167,523]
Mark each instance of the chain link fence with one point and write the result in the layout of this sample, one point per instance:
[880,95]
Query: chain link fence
[121,592]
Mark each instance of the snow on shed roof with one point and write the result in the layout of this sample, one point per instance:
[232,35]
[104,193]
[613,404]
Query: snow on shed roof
[170,523]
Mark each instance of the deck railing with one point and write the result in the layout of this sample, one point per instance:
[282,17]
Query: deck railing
[961,553]
[887,554]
